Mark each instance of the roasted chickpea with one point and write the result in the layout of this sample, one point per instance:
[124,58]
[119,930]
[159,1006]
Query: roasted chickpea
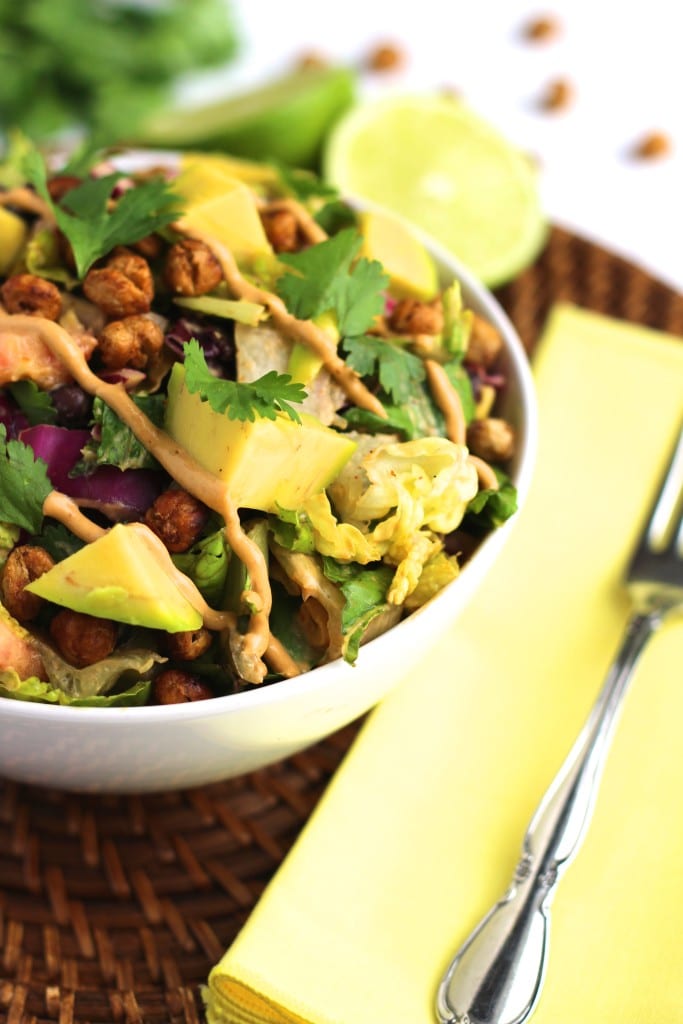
[282,230]
[188,645]
[491,439]
[24,564]
[177,518]
[191,268]
[123,287]
[83,639]
[32,296]
[485,343]
[386,57]
[149,246]
[410,316]
[132,341]
[176,687]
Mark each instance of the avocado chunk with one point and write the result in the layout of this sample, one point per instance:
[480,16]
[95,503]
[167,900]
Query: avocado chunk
[264,463]
[219,205]
[126,575]
[13,234]
[304,363]
[411,269]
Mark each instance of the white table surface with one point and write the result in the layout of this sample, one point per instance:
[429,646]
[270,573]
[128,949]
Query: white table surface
[623,61]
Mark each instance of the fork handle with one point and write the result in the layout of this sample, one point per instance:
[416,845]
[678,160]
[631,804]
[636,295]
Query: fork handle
[496,976]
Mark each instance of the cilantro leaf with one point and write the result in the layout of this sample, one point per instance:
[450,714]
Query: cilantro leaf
[264,397]
[92,229]
[24,484]
[307,291]
[400,372]
[321,278]
[35,404]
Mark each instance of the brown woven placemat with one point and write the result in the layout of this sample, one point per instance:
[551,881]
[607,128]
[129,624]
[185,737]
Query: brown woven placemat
[113,909]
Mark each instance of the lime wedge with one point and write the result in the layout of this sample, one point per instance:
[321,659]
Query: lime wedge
[438,164]
[286,119]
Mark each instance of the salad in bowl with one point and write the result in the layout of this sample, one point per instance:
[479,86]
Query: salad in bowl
[245,427]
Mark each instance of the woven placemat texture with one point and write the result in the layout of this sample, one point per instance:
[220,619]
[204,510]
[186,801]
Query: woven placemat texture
[113,909]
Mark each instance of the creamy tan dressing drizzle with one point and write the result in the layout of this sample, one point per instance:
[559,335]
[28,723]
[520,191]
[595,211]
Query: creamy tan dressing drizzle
[27,200]
[448,400]
[487,478]
[188,473]
[298,330]
[59,506]
[280,660]
[156,547]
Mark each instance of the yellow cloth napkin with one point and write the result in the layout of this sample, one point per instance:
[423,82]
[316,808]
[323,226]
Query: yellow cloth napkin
[421,828]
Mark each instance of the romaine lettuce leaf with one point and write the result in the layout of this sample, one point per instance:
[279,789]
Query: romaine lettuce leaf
[286,626]
[116,444]
[365,590]
[206,563]
[490,508]
[292,529]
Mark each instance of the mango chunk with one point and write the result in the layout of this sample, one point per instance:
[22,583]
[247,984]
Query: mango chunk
[13,234]
[264,463]
[222,207]
[126,575]
[411,269]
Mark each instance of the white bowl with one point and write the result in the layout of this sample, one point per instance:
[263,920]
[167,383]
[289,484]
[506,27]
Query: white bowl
[146,749]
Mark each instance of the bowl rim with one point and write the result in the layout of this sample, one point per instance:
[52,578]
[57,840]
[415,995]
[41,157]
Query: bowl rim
[476,294]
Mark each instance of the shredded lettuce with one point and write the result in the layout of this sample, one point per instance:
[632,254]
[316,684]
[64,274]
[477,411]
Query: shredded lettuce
[392,500]
[39,692]
[435,575]
[127,666]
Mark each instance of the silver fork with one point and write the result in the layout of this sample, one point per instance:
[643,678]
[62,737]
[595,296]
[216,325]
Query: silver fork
[497,974]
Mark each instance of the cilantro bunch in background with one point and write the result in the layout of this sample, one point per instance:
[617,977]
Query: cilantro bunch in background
[103,65]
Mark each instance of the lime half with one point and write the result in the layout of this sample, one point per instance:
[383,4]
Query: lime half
[286,119]
[432,160]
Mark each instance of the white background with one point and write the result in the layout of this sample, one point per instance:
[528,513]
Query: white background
[624,62]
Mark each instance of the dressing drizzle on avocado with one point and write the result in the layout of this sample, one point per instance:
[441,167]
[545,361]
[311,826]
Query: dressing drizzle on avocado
[188,473]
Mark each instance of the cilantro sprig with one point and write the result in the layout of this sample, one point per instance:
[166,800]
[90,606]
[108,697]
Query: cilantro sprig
[24,484]
[400,373]
[328,277]
[83,213]
[266,397]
